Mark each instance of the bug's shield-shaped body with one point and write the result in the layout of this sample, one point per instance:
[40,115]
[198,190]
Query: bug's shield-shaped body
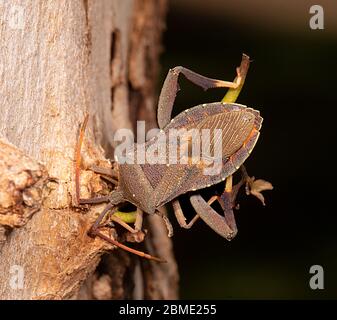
[161,183]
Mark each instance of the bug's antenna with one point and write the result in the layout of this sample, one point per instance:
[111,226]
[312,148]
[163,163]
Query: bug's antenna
[78,157]
[126,248]
[94,231]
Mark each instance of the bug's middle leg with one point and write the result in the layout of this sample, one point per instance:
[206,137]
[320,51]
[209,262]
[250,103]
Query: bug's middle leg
[180,214]
[124,218]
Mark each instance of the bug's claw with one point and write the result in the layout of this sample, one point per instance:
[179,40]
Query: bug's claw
[255,187]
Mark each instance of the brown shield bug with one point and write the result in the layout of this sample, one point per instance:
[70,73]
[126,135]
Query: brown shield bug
[150,186]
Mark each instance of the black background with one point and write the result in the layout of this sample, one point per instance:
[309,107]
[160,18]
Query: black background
[292,81]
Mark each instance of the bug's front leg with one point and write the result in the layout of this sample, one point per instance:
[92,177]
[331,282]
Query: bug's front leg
[78,159]
[114,198]
[171,87]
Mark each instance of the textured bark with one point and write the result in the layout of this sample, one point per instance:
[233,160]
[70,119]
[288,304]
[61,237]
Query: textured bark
[69,58]
[22,183]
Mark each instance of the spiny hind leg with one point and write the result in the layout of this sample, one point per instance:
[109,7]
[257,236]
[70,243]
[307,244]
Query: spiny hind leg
[171,87]
[223,225]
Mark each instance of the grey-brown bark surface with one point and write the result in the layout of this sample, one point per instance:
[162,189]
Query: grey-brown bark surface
[60,59]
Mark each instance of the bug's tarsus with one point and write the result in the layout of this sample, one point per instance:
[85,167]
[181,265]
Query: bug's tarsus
[166,220]
[181,217]
[106,173]
[139,220]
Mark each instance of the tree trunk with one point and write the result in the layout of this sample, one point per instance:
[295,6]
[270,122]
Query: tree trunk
[59,60]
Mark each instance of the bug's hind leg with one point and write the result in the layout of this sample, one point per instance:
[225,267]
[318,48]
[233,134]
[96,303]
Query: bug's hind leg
[171,87]
[226,225]
[223,225]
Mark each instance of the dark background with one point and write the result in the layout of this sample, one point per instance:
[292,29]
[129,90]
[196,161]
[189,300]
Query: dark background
[292,81]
